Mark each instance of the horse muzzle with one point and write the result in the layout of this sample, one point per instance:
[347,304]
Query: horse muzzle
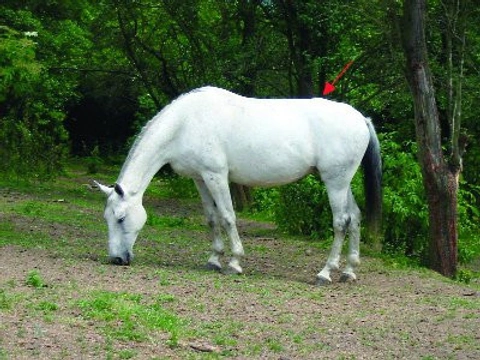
[124,260]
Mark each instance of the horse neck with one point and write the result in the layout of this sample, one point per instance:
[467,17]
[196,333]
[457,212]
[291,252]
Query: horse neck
[138,172]
[146,156]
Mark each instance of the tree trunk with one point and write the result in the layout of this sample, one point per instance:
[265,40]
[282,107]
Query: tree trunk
[439,177]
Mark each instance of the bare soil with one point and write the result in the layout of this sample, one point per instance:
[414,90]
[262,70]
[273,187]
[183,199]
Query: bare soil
[273,311]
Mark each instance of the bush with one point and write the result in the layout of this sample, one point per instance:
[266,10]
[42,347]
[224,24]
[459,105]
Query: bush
[405,211]
[32,137]
[303,208]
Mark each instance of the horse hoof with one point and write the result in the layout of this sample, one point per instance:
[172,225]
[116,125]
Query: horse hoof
[231,271]
[213,267]
[347,278]
[323,282]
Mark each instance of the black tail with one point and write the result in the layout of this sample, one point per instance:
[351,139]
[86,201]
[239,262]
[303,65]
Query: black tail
[372,166]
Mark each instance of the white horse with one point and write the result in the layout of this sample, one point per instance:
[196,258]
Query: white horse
[215,137]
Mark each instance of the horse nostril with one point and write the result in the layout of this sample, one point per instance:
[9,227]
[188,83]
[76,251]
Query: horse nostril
[117,260]
[124,259]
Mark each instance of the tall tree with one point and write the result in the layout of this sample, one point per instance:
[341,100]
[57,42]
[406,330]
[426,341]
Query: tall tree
[305,25]
[440,169]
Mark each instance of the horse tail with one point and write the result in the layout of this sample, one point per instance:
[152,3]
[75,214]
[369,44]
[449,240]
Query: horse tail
[372,167]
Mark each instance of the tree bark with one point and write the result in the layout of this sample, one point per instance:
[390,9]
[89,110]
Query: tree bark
[440,178]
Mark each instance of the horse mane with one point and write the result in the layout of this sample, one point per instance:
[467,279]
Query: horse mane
[160,115]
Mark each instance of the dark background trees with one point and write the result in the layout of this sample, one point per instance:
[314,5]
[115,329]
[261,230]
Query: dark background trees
[83,76]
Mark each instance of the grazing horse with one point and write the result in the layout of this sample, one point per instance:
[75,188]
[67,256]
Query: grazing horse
[216,137]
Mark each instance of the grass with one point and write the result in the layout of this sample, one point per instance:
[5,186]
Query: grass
[34,279]
[167,306]
[126,317]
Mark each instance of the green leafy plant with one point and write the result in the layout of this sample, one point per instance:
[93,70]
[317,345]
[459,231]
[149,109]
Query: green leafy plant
[405,213]
[34,279]
[31,131]
[302,207]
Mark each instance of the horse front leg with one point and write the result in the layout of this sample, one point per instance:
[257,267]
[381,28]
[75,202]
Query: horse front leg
[217,185]
[213,222]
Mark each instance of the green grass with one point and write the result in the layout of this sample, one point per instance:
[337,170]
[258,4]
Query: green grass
[166,297]
[126,316]
[6,300]
[34,279]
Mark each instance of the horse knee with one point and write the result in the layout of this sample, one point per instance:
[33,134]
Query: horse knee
[228,221]
[212,223]
[353,259]
[341,223]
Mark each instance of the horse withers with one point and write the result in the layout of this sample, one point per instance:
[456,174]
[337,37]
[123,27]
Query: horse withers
[216,137]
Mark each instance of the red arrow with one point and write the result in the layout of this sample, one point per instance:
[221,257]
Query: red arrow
[331,87]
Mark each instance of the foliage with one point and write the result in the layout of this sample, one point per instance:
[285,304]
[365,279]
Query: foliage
[94,161]
[405,213]
[34,140]
[302,208]
[264,201]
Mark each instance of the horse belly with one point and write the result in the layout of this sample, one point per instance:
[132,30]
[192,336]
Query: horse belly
[272,165]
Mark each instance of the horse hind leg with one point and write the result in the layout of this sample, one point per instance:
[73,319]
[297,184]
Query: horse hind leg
[353,257]
[213,221]
[338,197]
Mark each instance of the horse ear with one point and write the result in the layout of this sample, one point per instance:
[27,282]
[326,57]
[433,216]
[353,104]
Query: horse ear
[119,190]
[105,189]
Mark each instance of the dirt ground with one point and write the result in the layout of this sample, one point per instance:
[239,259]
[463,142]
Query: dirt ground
[274,311]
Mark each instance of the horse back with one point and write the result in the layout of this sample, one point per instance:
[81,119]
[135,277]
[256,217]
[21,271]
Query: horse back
[265,141]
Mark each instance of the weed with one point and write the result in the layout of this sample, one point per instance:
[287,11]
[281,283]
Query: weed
[6,300]
[127,354]
[47,306]
[274,345]
[225,340]
[456,303]
[465,276]
[165,298]
[32,208]
[34,279]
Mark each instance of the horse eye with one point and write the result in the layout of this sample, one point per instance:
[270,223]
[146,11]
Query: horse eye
[121,220]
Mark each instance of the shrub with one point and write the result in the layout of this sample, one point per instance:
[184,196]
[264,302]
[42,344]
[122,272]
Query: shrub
[303,208]
[34,141]
[405,212]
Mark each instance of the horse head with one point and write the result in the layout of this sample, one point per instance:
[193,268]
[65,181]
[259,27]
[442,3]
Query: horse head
[125,217]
